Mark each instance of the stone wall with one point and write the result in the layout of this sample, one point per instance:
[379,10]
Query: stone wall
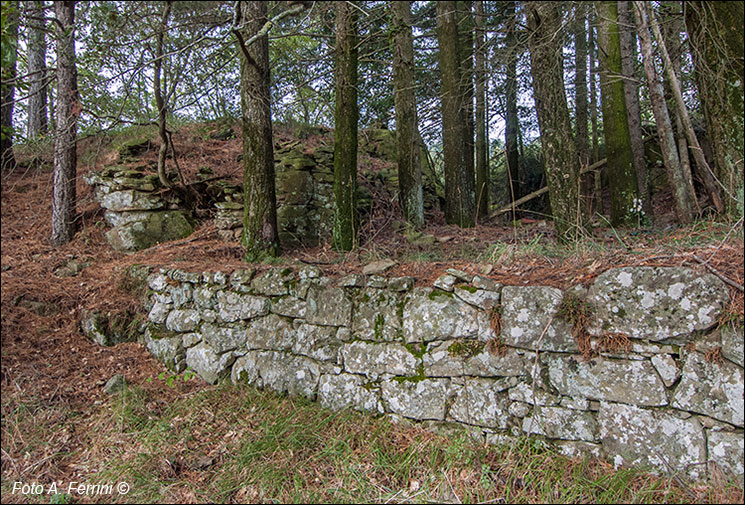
[635,368]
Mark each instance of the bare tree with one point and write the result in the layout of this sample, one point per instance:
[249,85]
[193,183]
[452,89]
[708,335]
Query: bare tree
[7,158]
[37,69]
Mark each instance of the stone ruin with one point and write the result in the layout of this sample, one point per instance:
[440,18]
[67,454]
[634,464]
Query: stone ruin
[143,213]
[497,361]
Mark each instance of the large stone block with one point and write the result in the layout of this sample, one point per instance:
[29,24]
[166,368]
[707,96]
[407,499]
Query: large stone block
[329,307]
[632,436]
[481,402]
[656,303]
[529,319]
[561,423]
[374,359]
[453,359]
[715,390]
[727,449]
[317,342]
[272,332]
[206,363]
[337,392]
[233,306]
[628,381]
[416,399]
[437,315]
[157,227]
[377,315]
[222,339]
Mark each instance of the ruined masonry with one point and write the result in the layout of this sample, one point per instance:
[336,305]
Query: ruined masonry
[672,400]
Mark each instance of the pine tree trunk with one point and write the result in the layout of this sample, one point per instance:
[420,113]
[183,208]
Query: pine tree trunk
[627,37]
[623,188]
[512,125]
[345,125]
[680,182]
[460,202]
[580,85]
[465,36]
[64,200]
[482,135]
[260,232]
[7,158]
[37,69]
[715,34]
[597,200]
[559,155]
[409,164]
[158,92]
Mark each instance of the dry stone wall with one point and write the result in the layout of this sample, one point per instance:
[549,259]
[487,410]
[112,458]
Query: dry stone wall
[500,361]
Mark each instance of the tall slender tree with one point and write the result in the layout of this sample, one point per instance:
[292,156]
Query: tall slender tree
[465,47]
[559,155]
[64,199]
[260,232]
[460,199]
[37,69]
[8,75]
[482,133]
[715,32]
[624,200]
[160,103]
[345,129]
[512,125]
[409,163]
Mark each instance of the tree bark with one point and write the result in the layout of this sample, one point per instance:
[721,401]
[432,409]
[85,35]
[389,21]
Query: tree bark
[580,106]
[409,163]
[715,34]
[37,69]
[345,125]
[627,36]
[465,38]
[512,125]
[260,232]
[559,155]
[460,201]
[597,200]
[482,134]
[623,188]
[680,182]
[64,199]
[7,158]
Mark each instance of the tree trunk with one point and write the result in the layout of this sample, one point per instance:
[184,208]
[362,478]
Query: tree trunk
[715,34]
[624,202]
[698,153]
[158,92]
[560,159]
[345,125]
[460,201]
[37,69]
[68,108]
[260,232]
[482,135]
[465,38]
[580,85]
[627,38]
[680,182]
[409,164]
[512,125]
[7,159]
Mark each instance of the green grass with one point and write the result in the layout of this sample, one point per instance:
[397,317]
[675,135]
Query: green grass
[228,443]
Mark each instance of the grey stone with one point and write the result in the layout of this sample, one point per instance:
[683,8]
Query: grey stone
[574,403]
[373,359]
[232,306]
[289,306]
[116,384]
[204,297]
[190,340]
[416,399]
[527,311]
[481,402]
[184,276]
[206,363]
[246,371]
[443,359]
[733,344]
[485,283]
[400,283]
[240,280]
[167,348]
[285,373]
[378,267]
[633,382]
[182,320]
[519,409]
[329,307]
[435,315]
[656,303]
[524,392]
[377,315]
[481,298]
[352,281]
[157,281]
[221,339]
[161,226]
[274,282]
[181,294]
[558,422]
[317,342]
[460,275]
[665,365]
[639,437]
[337,392]
[272,332]
[711,389]
[376,281]
[446,282]
[132,200]
[726,449]
[577,449]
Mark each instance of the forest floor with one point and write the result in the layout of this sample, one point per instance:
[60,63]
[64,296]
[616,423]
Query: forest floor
[59,426]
